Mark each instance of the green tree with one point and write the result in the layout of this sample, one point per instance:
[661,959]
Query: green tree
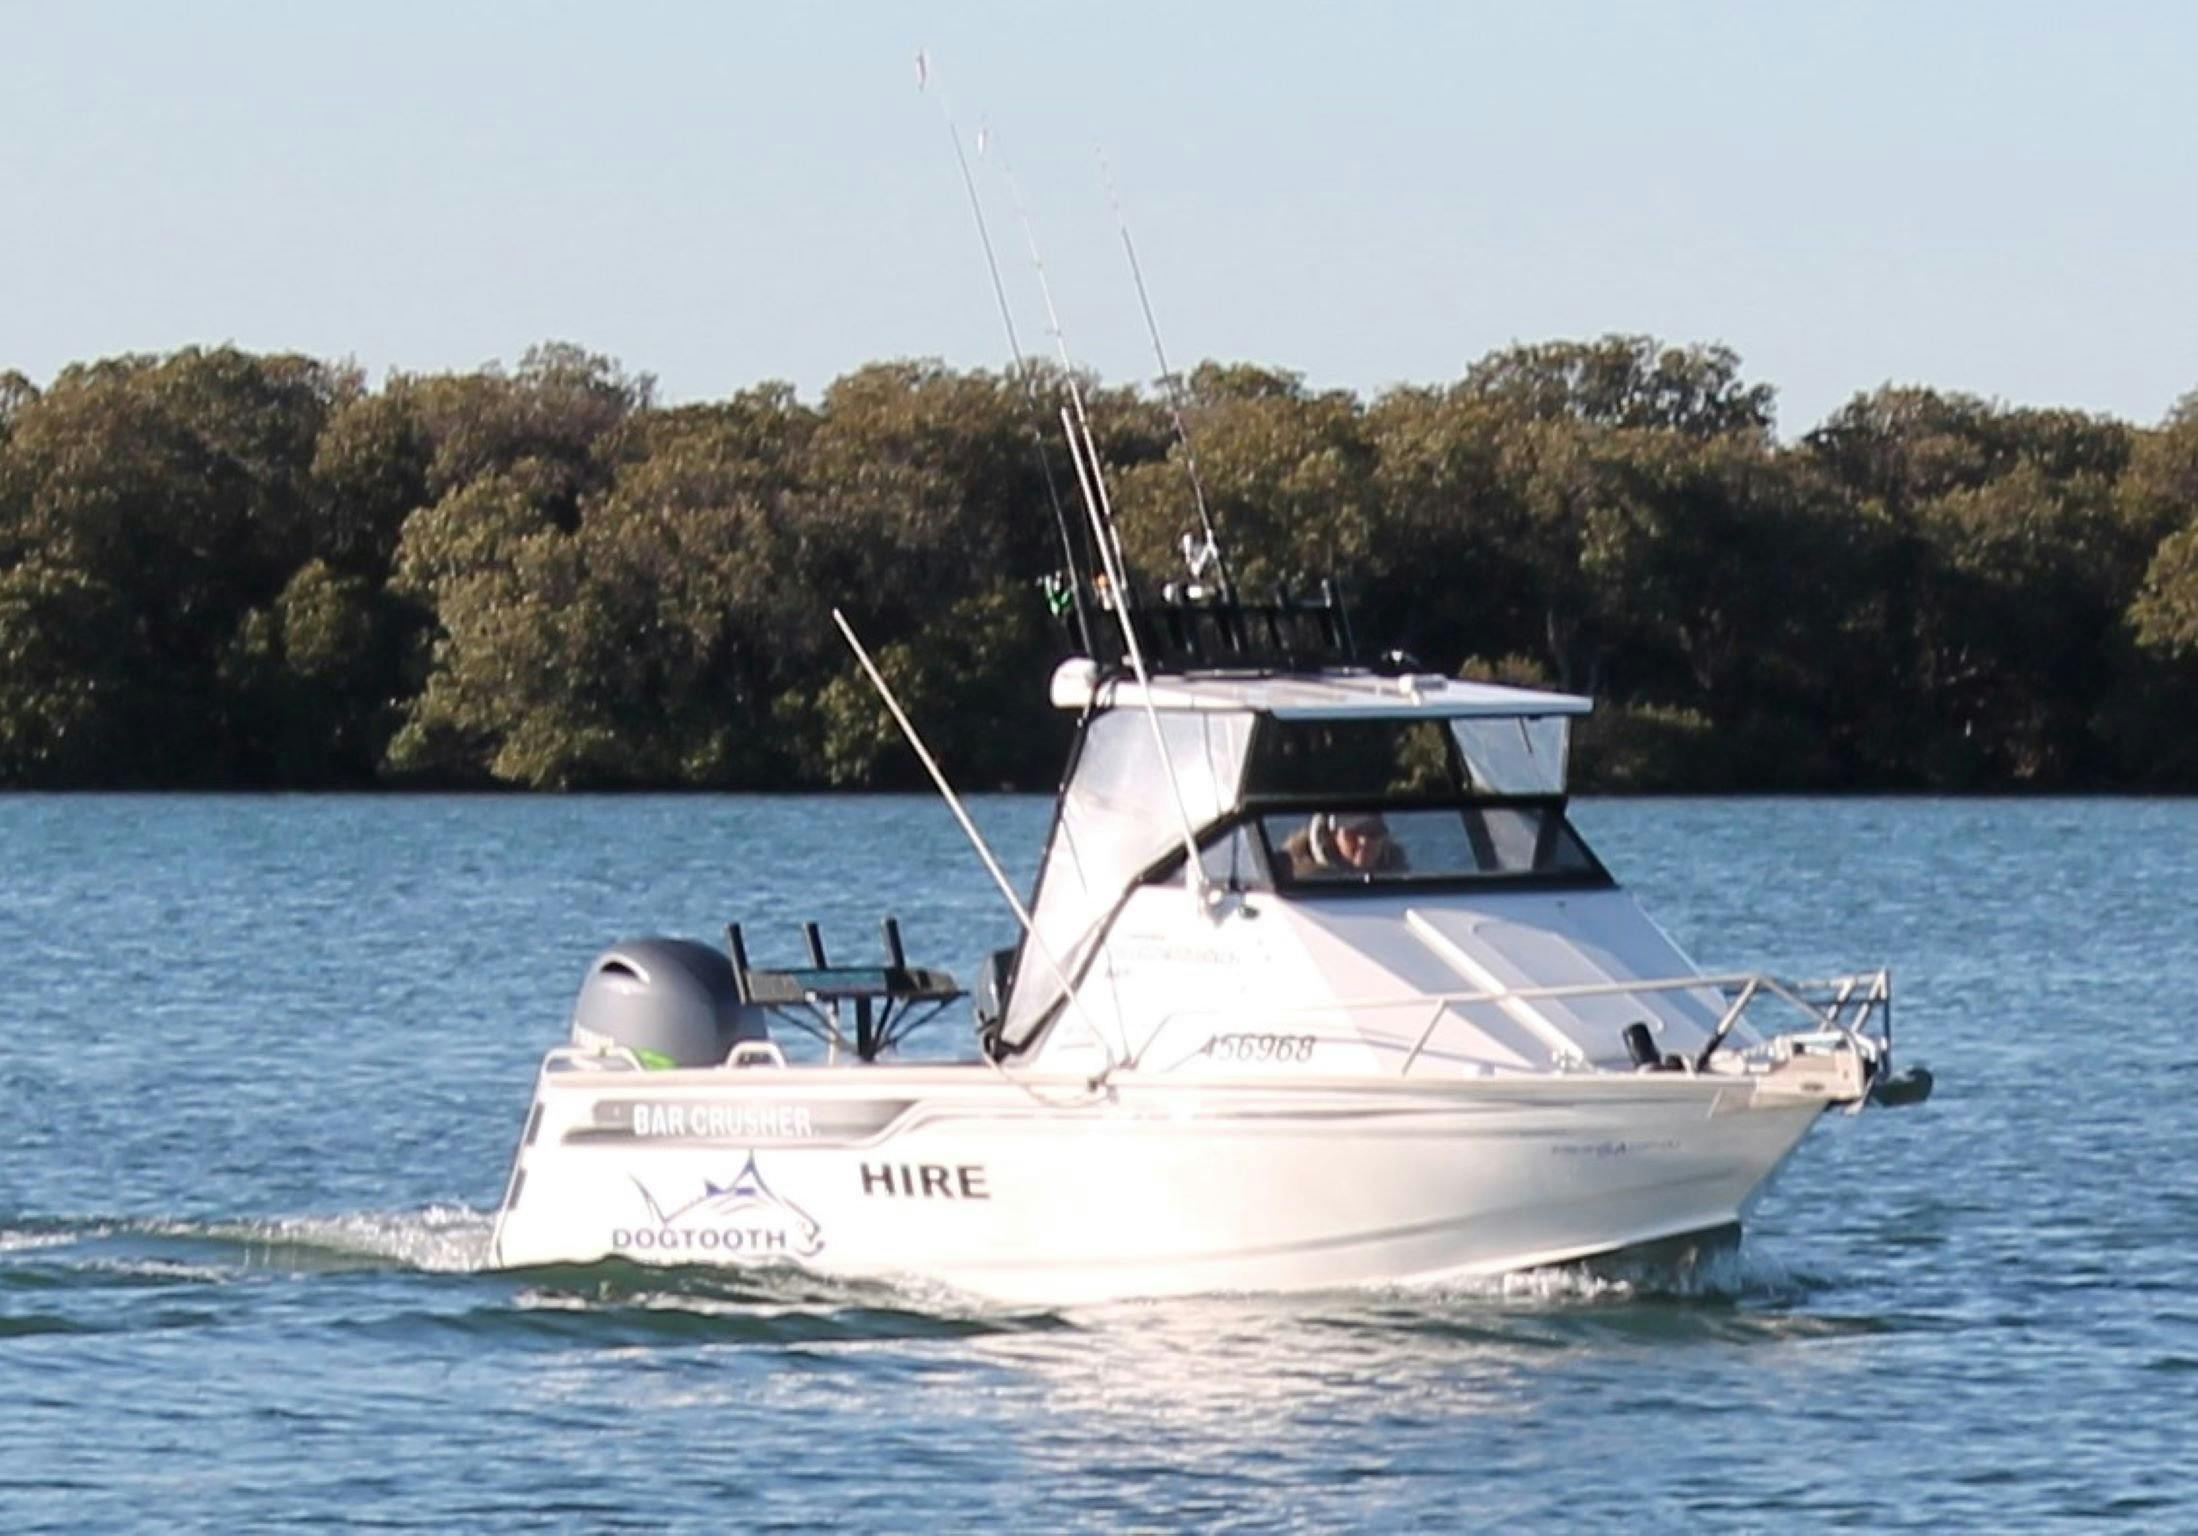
[178,486]
[62,634]
[222,568]
[555,410]
[468,562]
[2008,565]
[369,473]
[17,394]
[643,643]
[1287,478]
[1728,572]
[2166,609]
[2160,495]
[967,677]
[1630,382]
[323,665]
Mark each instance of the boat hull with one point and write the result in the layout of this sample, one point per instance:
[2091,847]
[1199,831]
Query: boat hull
[1041,1192]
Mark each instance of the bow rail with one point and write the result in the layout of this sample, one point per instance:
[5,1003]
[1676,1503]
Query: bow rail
[1840,1011]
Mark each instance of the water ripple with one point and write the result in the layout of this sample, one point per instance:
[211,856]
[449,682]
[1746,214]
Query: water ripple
[267,1057]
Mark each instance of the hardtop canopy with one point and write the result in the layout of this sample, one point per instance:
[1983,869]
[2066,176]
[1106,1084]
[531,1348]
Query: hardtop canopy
[1332,695]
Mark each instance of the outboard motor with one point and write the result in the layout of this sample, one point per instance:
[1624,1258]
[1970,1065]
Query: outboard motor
[672,1002]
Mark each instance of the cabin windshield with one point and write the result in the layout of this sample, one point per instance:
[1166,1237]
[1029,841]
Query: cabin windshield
[1359,846]
[1389,800]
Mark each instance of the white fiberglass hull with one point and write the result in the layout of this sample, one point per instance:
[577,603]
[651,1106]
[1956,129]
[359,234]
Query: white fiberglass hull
[956,1176]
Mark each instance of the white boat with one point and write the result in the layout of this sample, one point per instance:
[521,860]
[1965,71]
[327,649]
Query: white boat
[1398,1024]
[1318,987]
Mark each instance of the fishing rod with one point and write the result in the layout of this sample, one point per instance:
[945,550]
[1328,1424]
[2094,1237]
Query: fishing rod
[1025,369]
[1104,529]
[1194,872]
[1108,550]
[1174,385]
[1092,480]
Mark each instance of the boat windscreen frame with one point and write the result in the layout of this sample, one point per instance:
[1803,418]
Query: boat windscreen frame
[1250,816]
[1255,811]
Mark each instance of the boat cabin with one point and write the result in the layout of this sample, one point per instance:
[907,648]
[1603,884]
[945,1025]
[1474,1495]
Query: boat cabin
[1376,852]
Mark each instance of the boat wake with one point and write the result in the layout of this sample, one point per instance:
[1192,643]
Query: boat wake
[104,1275]
[1732,1276]
[440,1239]
[130,1275]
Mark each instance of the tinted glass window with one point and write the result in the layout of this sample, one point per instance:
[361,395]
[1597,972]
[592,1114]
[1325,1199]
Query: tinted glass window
[1491,842]
[1353,758]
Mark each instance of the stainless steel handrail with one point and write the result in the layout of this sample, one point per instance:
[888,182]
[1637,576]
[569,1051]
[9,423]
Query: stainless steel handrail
[1866,993]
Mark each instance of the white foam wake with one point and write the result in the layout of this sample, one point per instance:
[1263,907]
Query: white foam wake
[441,1239]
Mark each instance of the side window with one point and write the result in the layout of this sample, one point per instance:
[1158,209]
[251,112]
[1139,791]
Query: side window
[1386,759]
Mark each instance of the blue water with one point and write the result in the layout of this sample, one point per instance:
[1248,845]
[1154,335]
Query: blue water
[264,1060]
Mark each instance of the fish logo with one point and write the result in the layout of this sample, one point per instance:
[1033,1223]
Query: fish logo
[743,1217]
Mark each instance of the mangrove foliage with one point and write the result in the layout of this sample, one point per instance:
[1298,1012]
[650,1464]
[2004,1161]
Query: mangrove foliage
[219,569]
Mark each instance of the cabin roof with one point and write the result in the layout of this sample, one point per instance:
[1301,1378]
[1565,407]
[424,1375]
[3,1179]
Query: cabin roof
[1336,695]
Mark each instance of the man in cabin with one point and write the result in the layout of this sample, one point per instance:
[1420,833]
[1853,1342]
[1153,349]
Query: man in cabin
[1339,845]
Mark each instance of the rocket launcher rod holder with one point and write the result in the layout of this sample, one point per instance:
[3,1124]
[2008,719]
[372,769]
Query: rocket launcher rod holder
[886,1002]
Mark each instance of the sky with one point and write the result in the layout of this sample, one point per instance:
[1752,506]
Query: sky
[1996,198]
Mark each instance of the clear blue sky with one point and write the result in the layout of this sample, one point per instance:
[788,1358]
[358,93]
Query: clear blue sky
[2000,198]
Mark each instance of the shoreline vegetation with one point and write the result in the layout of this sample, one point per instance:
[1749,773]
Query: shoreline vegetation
[221,570]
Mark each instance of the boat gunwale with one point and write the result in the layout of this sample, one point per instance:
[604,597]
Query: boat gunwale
[883,1079]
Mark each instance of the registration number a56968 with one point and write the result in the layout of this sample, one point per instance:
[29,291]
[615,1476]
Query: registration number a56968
[1257,1047]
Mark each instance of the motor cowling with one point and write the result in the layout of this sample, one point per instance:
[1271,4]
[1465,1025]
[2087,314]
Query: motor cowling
[672,1002]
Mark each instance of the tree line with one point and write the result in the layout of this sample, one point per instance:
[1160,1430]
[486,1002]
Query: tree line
[220,569]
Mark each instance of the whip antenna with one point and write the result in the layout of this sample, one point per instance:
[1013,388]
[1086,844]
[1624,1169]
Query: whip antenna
[1173,383]
[976,838]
